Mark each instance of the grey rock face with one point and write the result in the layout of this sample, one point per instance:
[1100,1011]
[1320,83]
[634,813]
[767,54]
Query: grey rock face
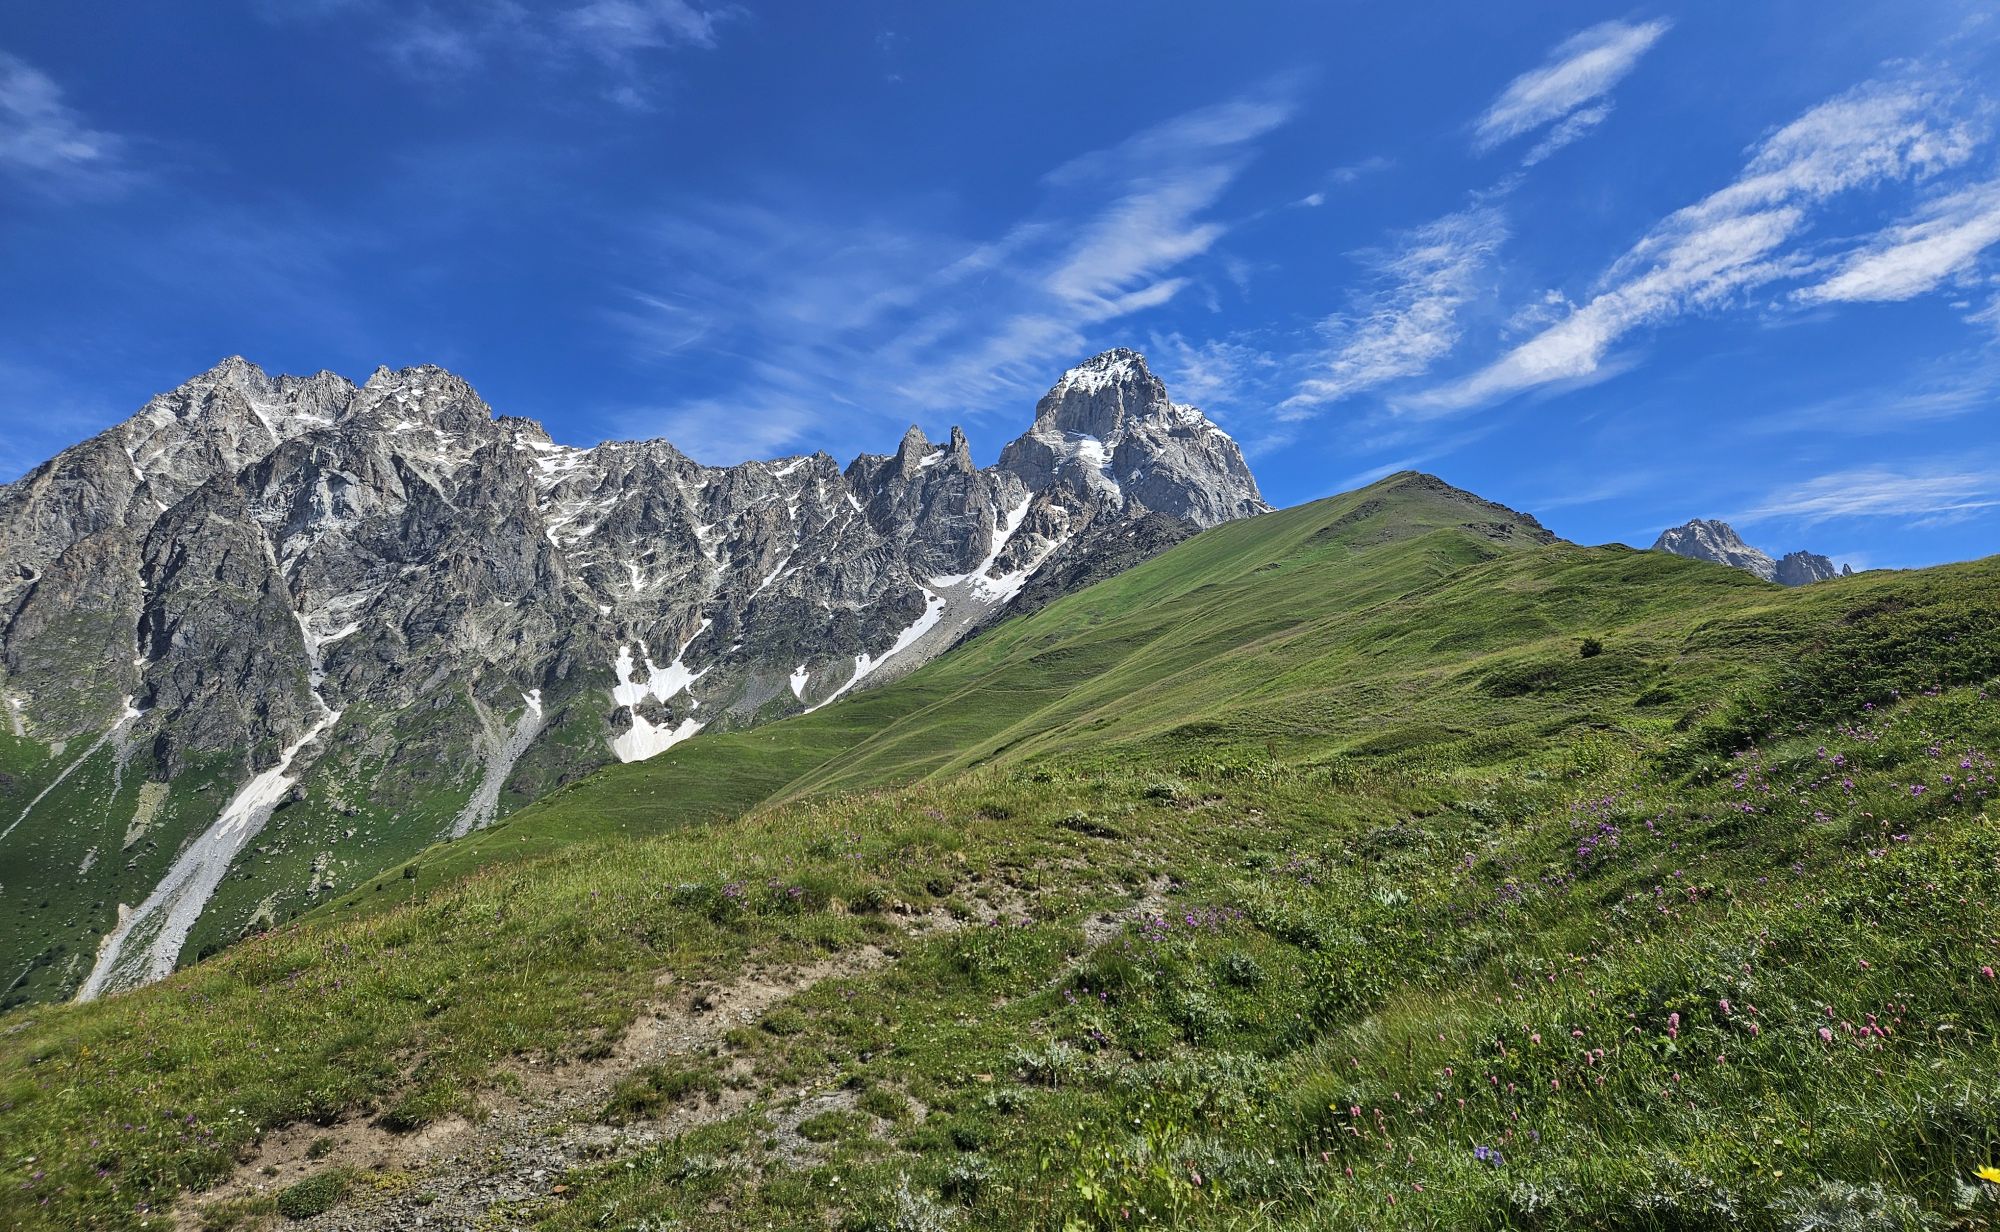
[1108,429]
[1710,540]
[380,615]
[1800,568]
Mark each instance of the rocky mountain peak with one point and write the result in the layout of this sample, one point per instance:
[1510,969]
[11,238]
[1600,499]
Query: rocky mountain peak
[524,433]
[1098,396]
[234,370]
[425,396]
[916,453]
[1108,431]
[1717,541]
[1799,568]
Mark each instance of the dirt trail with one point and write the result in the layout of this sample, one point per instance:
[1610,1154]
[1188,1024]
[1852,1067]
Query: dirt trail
[462,1174]
[492,1173]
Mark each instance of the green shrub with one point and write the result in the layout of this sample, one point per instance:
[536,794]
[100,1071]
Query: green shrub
[886,1103]
[655,1089]
[828,1126]
[315,1195]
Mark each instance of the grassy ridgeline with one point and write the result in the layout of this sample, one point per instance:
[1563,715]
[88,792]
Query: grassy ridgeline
[1465,928]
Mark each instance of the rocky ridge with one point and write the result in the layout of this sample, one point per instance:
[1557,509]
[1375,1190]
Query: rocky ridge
[1711,540]
[271,635]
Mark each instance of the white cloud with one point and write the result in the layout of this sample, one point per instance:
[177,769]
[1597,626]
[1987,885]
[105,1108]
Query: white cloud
[1923,393]
[1350,173]
[1914,256]
[1411,320]
[1732,241]
[1936,496]
[1571,129]
[42,136]
[723,431]
[447,39]
[1579,71]
[1214,373]
[1989,316]
[925,323]
[426,44]
[1146,209]
[615,29]
[1156,227]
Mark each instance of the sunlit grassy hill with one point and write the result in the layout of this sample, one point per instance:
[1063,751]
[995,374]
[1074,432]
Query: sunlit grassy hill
[1365,623]
[1381,862]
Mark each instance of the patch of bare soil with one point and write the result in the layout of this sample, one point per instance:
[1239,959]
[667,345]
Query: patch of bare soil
[1106,925]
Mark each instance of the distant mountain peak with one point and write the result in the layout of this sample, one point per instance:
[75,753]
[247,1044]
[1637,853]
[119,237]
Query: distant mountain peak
[1117,366]
[1716,541]
[1107,430]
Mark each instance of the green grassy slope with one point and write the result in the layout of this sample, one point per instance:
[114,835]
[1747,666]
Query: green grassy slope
[1325,626]
[1669,926]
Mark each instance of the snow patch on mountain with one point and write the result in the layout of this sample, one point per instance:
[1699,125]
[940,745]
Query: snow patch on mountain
[147,941]
[644,738]
[864,663]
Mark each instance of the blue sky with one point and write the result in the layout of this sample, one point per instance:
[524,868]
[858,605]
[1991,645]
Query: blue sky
[1620,267]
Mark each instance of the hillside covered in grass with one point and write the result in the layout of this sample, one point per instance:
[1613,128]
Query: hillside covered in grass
[1377,863]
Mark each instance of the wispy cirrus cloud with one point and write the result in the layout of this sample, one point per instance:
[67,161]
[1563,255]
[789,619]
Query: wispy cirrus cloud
[1949,388]
[1218,372]
[444,40]
[1932,496]
[1569,89]
[1741,237]
[617,28]
[1410,318]
[925,320]
[1916,255]
[1573,128]
[44,141]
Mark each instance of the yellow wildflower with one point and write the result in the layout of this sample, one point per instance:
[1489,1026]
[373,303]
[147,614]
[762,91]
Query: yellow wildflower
[1989,1174]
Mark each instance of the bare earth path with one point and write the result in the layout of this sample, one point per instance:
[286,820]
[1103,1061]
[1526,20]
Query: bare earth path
[493,1174]
[461,1174]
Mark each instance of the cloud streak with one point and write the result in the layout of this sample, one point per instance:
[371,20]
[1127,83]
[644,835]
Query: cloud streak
[42,138]
[924,321]
[1412,317]
[615,29]
[1916,255]
[1565,90]
[1219,372]
[444,40]
[1936,496]
[1732,241]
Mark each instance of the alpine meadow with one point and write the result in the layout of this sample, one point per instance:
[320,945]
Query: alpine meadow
[1093,678]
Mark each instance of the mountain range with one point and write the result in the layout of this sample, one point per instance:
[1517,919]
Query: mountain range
[271,635]
[1711,540]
